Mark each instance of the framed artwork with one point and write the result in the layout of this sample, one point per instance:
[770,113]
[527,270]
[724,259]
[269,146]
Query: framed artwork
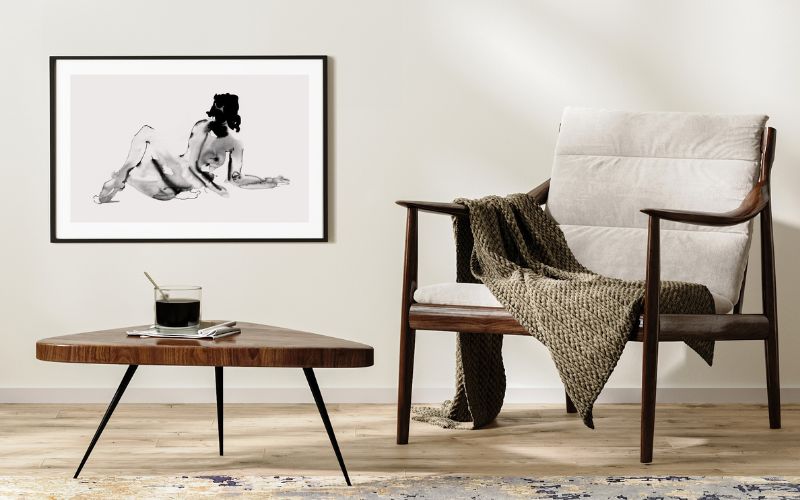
[187,149]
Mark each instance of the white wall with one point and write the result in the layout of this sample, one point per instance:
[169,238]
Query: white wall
[429,100]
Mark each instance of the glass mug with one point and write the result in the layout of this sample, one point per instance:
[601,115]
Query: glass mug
[177,307]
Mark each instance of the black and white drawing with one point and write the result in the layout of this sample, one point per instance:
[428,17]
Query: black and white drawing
[155,171]
[188,148]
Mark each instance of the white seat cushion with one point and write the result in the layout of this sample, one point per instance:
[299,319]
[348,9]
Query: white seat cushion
[611,164]
[476,294]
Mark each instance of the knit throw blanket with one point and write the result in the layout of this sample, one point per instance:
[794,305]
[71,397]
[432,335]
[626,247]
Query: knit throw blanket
[583,318]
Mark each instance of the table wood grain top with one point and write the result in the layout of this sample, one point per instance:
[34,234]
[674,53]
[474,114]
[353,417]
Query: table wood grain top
[257,345]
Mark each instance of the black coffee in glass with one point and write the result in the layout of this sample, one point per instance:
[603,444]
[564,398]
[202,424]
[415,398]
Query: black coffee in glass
[177,313]
[177,306]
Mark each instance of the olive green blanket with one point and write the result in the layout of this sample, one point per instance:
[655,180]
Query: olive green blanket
[512,246]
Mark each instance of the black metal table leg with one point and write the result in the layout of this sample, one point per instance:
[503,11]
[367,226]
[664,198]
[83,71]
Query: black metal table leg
[114,401]
[218,377]
[312,384]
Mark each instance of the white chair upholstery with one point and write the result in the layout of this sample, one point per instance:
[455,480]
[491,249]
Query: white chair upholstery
[611,164]
[476,294]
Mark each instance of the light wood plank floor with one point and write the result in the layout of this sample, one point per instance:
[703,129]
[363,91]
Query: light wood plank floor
[290,439]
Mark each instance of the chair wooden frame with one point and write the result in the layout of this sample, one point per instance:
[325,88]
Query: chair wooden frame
[655,327]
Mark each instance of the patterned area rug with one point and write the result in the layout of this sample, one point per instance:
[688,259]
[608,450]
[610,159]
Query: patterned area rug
[416,487]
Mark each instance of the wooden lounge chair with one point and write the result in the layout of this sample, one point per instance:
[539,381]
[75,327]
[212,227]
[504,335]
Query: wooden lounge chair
[645,196]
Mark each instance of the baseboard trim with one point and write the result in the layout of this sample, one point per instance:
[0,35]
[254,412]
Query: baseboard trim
[384,395]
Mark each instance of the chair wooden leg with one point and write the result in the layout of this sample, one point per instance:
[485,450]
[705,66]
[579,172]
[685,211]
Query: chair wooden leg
[407,340]
[570,405]
[407,334]
[769,293]
[649,373]
[651,322]
[773,382]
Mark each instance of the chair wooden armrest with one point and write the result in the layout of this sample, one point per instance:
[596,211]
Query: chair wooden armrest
[539,194]
[434,207]
[753,204]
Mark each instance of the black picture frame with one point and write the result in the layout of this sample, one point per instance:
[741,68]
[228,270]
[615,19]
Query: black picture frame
[54,236]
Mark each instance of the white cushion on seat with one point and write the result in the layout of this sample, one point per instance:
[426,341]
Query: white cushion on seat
[477,294]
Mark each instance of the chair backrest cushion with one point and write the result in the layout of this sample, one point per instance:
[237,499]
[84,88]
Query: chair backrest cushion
[611,164]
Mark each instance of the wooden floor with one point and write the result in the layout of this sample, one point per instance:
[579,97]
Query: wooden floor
[290,439]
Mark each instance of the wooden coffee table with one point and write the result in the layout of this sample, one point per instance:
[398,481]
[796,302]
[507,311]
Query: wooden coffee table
[257,345]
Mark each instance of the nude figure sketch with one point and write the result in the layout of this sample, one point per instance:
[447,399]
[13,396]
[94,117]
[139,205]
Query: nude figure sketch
[152,169]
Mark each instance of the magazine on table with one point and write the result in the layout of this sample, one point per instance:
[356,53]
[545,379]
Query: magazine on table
[212,332]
